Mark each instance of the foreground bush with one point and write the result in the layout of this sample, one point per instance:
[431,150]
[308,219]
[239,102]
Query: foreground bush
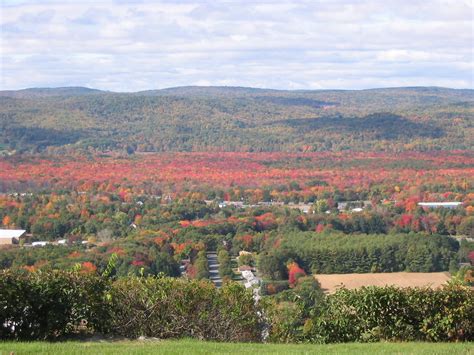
[47,305]
[44,305]
[380,314]
[174,308]
[57,304]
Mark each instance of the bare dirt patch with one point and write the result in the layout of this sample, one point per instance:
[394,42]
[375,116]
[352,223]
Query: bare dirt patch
[331,283]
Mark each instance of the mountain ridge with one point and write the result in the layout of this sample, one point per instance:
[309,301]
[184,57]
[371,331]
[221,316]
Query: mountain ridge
[236,119]
[83,90]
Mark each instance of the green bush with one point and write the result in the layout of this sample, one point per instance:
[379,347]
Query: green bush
[175,308]
[246,259]
[57,304]
[395,314]
[45,305]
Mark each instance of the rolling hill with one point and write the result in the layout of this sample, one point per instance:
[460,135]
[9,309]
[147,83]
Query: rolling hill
[236,119]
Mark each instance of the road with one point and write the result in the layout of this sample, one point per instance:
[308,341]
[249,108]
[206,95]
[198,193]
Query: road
[214,269]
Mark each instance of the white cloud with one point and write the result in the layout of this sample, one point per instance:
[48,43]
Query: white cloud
[128,45]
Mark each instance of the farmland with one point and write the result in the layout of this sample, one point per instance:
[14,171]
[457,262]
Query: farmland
[330,283]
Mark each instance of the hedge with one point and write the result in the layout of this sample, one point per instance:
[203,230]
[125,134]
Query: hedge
[60,304]
[54,304]
[45,305]
[174,308]
[381,314]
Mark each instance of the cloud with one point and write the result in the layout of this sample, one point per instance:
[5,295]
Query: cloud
[129,45]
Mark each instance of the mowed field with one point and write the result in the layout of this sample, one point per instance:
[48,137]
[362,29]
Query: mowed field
[331,283]
[202,347]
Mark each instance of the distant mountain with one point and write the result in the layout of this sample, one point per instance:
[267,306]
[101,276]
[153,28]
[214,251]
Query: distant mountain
[206,91]
[236,119]
[47,92]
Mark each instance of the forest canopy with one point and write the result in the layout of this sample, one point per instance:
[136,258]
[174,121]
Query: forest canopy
[235,119]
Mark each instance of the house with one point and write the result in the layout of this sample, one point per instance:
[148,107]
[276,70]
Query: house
[439,204]
[11,236]
[247,274]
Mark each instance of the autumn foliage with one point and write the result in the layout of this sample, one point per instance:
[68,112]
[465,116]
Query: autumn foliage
[294,272]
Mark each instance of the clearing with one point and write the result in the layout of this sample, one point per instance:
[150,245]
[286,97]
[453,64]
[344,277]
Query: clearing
[331,282]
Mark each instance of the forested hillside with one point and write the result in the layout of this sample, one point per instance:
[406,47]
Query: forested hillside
[235,119]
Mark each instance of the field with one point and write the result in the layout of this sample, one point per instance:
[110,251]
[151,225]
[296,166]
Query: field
[197,347]
[330,283]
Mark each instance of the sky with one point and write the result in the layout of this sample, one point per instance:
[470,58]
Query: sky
[133,45]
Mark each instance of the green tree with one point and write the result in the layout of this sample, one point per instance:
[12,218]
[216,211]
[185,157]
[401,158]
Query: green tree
[225,267]
[467,227]
[321,206]
[202,267]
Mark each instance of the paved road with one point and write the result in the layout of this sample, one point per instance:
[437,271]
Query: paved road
[214,269]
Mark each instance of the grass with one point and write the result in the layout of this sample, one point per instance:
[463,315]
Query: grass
[202,347]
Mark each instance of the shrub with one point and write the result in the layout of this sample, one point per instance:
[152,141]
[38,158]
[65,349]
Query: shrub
[389,313]
[175,308]
[48,305]
[45,305]
[246,259]
[273,287]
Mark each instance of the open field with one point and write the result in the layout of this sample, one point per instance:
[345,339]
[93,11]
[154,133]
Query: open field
[330,283]
[198,347]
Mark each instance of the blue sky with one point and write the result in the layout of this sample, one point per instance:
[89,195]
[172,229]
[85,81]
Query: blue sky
[131,45]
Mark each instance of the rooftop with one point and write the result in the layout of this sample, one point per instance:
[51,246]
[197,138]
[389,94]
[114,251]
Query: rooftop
[11,233]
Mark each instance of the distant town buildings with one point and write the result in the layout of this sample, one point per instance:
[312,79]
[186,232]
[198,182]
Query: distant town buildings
[439,204]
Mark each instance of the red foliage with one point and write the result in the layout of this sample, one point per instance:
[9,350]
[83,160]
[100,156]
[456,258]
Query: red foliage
[225,170]
[29,268]
[6,221]
[405,220]
[266,221]
[88,267]
[319,228]
[470,256]
[160,240]
[116,250]
[294,272]
[247,240]
[191,271]
[185,223]
[74,255]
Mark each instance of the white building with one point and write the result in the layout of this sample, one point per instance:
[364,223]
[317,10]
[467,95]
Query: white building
[40,244]
[11,236]
[439,204]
